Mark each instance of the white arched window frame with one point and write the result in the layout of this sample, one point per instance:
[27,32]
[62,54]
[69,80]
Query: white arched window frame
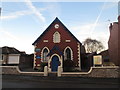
[44,54]
[65,54]
[56,37]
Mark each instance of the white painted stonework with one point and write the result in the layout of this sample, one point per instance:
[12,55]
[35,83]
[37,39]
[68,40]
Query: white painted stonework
[45,40]
[79,60]
[59,71]
[34,58]
[45,71]
[60,59]
[67,40]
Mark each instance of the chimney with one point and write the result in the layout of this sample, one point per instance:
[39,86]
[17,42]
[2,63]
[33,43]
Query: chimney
[110,27]
[119,18]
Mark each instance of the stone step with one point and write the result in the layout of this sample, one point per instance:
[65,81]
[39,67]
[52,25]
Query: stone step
[52,74]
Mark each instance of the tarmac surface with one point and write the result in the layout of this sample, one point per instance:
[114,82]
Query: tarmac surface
[17,81]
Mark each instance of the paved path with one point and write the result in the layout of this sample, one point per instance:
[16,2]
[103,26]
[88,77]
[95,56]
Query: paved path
[54,82]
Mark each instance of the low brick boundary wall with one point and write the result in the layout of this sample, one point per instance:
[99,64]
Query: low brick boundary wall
[98,72]
[15,70]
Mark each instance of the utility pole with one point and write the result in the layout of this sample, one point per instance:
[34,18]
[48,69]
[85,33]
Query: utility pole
[0,11]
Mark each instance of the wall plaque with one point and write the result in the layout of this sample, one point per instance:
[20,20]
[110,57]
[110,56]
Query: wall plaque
[37,50]
[97,60]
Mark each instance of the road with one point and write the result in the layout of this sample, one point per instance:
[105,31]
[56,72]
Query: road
[54,82]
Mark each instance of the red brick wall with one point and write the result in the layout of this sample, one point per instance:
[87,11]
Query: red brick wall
[113,43]
[119,39]
[62,45]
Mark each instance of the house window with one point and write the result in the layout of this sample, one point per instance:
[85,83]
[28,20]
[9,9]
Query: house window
[45,52]
[68,54]
[56,37]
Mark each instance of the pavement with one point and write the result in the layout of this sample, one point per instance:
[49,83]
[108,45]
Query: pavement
[22,81]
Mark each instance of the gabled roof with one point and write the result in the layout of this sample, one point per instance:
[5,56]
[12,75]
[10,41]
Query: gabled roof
[10,50]
[57,21]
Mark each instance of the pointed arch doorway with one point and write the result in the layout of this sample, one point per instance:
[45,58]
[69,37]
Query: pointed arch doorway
[55,63]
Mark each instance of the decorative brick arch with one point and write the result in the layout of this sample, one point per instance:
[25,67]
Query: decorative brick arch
[43,50]
[56,37]
[70,51]
[49,62]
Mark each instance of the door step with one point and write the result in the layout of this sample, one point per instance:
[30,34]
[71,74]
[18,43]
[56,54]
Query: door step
[52,74]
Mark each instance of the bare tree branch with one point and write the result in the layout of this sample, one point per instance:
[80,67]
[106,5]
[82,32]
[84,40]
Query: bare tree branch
[93,45]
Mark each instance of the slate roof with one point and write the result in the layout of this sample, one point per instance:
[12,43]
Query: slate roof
[10,50]
[91,54]
[56,20]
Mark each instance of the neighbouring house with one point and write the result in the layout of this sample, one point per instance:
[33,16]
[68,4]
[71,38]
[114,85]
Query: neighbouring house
[57,46]
[119,36]
[114,42]
[106,58]
[10,56]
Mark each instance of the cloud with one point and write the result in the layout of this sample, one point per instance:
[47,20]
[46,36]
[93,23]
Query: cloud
[110,5]
[14,15]
[101,32]
[7,34]
[97,19]
[17,14]
[20,43]
[35,10]
[54,9]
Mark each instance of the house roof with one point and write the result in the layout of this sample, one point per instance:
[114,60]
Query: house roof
[91,54]
[105,53]
[56,20]
[10,50]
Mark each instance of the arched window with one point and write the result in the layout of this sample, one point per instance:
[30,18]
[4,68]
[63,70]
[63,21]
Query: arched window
[68,54]
[45,52]
[56,37]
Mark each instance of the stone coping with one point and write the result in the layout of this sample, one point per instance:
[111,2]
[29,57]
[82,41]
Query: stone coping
[106,67]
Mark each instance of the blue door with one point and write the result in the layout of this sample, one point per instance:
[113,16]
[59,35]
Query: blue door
[55,63]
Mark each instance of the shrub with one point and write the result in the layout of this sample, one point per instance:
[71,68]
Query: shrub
[68,65]
[108,64]
[42,65]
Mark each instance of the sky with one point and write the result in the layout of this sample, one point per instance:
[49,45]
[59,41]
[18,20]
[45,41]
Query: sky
[23,22]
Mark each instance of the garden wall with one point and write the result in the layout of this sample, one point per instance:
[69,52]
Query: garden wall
[101,72]
[15,70]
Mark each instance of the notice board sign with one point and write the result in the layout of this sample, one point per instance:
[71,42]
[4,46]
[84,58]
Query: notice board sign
[97,60]
[37,50]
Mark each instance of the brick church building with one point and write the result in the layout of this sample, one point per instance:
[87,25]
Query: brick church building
[56,45]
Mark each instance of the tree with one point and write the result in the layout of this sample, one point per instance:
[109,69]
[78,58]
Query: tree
[93,45]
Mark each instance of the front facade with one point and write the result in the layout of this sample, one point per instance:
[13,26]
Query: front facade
[55,45]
